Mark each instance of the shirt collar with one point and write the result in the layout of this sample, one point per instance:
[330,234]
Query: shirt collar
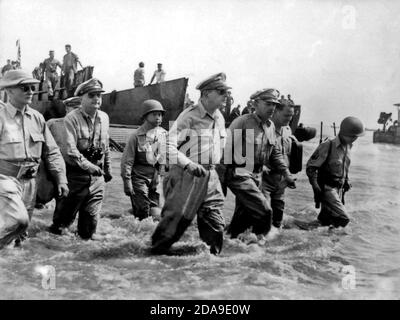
[259,121]
[338,143]
[85,115]
[141,131]
[204,112]
[13,110]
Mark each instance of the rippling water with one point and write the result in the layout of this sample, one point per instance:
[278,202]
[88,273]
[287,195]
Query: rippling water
[297,264]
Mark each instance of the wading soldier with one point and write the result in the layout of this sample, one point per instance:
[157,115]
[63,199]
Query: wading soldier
[45,192]
[327,171]
[25,140]
[192,186]
[141,161]
[254,131]
[87,156]
[274,183]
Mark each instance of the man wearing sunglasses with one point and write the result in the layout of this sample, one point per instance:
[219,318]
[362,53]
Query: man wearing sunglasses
[249,149]
[25,140]
[192,186]
[87,156]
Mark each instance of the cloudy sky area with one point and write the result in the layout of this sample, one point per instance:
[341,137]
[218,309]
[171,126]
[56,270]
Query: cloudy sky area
[336,58]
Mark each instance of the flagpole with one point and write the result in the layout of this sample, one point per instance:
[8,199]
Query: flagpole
[18,44]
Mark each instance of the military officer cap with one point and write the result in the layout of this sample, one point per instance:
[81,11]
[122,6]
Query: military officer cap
[72,102]
[151,105]
[215,82]
[270,95]
[92,85]
[16,77]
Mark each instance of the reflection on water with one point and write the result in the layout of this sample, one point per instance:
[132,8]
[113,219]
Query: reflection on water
[297,264]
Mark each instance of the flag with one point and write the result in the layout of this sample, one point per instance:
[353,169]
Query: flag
[18,44]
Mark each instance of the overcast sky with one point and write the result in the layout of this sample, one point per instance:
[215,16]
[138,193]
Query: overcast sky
[336,58]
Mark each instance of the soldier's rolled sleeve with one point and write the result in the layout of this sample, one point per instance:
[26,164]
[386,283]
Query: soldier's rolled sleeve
[52,156]
[70,151]
[128,158]
[176,136]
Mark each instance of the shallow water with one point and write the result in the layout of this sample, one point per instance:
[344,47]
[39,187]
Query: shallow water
[297,264]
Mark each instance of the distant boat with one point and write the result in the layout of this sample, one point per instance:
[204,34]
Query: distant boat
[392,133]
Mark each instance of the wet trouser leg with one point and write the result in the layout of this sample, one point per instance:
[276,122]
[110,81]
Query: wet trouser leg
[210,219]
[145,197]
[252,208]
[68,207]
[14,218]
[184,195]
[333,211]
[273,187]
[90,208]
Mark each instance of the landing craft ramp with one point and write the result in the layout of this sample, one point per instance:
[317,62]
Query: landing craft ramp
[125,107]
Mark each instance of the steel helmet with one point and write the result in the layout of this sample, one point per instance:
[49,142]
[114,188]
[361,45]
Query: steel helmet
[150,106]
[352,127]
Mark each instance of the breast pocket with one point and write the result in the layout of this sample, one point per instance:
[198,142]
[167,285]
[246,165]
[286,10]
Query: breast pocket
[12,145]
[36,144]
[83,140]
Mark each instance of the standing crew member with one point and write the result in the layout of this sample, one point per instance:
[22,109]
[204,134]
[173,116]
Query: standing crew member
[70,67]
[141,161]
[87,156]
[192,186]
[24,141]
[273,182]
[138,76]
[159,74]
[243,176]
[50,70]
[328,169]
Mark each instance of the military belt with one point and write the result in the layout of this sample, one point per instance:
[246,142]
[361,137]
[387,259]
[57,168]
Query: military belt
[19,169]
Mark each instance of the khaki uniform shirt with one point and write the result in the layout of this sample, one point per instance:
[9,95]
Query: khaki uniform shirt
[283,143]
[252,143]
[335,167]
[26,137]
[144,149]
[50,66]
[138,77]
[196,136]
[81,132]
[70,60]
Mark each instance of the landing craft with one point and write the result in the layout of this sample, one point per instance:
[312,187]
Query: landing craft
[390,135]
[124,107]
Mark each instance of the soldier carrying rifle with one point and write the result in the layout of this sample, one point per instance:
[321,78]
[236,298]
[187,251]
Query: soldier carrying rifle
[327,171]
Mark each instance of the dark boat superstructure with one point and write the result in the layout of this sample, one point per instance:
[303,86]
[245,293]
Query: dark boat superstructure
[392,133]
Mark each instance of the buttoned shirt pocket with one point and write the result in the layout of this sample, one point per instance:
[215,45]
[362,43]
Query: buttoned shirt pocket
[83,139]
[35,148]
[12,145]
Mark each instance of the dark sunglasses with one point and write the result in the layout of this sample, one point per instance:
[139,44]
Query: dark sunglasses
[26,88]
[222,92]
[94,94]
